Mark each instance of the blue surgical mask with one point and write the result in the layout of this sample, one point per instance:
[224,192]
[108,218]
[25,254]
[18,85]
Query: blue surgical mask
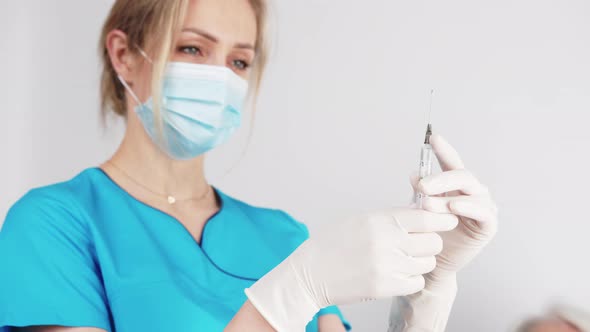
[201,108]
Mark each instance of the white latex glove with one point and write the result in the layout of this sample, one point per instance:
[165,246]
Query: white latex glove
[455,191]
[376,256]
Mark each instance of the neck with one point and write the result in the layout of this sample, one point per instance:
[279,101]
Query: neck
[151,167]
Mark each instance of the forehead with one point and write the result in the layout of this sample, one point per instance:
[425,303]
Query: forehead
[231,21]
[553,325]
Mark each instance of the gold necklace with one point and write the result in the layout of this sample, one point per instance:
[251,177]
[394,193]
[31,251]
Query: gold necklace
[170,198]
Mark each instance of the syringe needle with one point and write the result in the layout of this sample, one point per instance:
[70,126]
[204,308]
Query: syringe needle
[430,108]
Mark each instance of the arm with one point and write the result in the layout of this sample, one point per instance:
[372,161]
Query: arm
[330,323]
[248,319]
[57,329]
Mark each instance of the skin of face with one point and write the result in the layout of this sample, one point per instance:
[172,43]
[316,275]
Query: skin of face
[214,32]
[554,325]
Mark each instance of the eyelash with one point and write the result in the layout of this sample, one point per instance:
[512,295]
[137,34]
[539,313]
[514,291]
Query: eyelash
[241,65]
[245,64]
[184,49]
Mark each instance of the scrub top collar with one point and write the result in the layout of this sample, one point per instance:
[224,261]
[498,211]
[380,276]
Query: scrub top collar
[226,209]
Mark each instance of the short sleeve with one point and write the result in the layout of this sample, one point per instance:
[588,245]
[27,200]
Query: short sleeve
[49,273]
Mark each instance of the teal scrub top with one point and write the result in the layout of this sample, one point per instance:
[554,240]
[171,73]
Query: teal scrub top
[86,253]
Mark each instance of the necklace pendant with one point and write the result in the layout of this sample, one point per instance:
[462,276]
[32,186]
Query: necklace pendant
[171,200]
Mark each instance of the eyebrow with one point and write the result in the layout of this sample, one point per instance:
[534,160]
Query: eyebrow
[214,39]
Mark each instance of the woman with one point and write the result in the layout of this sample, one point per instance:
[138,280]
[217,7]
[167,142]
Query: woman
[144,243]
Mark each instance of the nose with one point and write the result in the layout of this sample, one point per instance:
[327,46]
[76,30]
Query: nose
[217,59]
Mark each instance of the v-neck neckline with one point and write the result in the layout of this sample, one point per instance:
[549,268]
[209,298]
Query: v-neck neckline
[220,197]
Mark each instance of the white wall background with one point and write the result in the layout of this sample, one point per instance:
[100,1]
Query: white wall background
[341,118]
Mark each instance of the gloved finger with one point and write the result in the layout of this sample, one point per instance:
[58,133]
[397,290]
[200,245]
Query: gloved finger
[421,221]
[438,204]
[405,286]
[423,244]
[447,156]
[442,204]
[414,180]
[484,214]
[455,180]
[422,265]
[413,266]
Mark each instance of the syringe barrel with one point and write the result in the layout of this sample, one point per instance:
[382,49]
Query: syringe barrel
[425,169]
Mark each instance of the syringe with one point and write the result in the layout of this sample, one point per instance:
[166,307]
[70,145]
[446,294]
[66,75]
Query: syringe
[425,164]
[425,155]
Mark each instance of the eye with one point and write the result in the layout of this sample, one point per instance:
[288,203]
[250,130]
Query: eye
[241,64]
[190,50]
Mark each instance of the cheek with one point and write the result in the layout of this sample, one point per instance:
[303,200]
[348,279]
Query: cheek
[247,75]
[143,84]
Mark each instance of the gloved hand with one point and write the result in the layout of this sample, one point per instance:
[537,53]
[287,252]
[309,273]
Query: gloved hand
[376,256]
[457,191]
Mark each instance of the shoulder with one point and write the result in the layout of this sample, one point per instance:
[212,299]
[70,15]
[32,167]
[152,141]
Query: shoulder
[59,204]
[269,235]
[45,243]
[267,218]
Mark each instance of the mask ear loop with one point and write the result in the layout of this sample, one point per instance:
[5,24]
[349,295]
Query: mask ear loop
[127,87]
[142,52]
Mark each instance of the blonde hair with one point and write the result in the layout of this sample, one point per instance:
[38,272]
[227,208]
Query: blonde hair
[154,23]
